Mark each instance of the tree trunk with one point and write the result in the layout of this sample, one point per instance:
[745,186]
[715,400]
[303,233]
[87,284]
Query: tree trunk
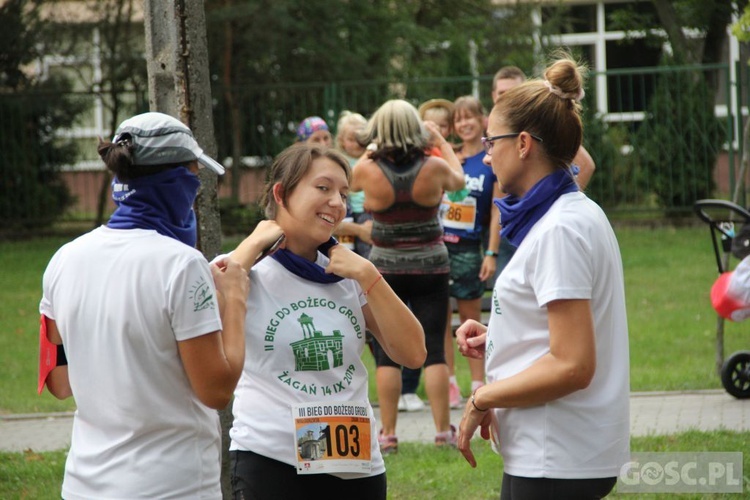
[233,110]
[179,85]
[684,49]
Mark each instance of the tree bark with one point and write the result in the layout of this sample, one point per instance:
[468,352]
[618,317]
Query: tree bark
[232,108]
[179,85]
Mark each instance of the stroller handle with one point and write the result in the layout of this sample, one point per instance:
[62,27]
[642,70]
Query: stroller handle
[702,205]
[721,215]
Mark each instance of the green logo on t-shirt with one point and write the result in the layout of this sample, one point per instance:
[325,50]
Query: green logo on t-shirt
[317,352]
[200,294]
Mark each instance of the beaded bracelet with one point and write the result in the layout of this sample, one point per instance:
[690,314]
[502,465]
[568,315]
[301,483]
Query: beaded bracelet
[380,276]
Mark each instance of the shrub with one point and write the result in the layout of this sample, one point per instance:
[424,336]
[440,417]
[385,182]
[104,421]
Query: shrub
[612,182]
[237,218]
[678,142]
[31,112]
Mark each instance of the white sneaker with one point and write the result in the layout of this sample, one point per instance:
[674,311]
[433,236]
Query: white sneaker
[401,403]
[411,402]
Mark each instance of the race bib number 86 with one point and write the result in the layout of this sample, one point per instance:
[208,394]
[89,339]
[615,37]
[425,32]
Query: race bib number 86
[459,215]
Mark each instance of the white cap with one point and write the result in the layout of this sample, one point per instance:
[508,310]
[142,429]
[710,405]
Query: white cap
[160,139]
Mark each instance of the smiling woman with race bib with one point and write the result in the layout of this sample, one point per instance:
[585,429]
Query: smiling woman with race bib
[302,417]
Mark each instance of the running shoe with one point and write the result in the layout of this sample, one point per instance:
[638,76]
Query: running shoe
[410,402]
[388,444]
[447,438]
[454,395]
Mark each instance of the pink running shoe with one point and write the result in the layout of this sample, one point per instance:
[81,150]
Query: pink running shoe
[454,395]
[447,438]
[388,444]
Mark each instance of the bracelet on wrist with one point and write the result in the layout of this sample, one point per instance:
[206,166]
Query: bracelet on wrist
[380,277]
[490,253]
[474,404]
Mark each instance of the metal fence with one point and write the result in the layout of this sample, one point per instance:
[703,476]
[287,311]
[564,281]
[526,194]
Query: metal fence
[660,139]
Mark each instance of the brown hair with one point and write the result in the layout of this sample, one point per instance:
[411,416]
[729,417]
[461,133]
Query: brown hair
[469,104]
[508,72]
[438,113]
[290,166]
[118,157]
[545,108]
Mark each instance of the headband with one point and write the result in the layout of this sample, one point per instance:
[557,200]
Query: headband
[309,126]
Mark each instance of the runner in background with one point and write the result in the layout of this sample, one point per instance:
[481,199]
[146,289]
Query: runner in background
[435,113]
[403,189]
[354,231]
[466,217]
[314,130]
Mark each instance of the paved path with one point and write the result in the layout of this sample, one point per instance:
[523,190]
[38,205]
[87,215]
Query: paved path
[650,413]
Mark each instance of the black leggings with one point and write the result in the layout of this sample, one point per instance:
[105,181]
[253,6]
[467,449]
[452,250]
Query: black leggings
[255,477]
[543,488]
[427,297]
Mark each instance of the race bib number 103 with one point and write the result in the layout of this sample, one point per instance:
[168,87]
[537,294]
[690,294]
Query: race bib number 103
[332,437]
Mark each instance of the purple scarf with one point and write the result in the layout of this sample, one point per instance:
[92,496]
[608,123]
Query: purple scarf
[518,215]
[162,202]
[304,268]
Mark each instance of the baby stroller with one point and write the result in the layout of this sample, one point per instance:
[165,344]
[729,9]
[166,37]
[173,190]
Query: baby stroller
[730,234]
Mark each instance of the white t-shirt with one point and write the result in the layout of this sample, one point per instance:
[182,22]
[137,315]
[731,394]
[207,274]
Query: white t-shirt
[286,315]
[121,300]
[570,253]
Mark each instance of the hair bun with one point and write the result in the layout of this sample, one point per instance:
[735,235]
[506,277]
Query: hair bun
[577,96]
[564,78]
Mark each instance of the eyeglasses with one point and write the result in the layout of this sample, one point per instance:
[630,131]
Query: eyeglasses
[489,142]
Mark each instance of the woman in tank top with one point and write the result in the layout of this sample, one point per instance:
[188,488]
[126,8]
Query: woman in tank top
[403,189]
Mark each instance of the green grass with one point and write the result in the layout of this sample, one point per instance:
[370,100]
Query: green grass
[22,265]
[668,276]
[672,326]
[417,471]
[31,475]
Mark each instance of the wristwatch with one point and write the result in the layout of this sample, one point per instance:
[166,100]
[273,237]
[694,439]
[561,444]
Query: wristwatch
[490,253]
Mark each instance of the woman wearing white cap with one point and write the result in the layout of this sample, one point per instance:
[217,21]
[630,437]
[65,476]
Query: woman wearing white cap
[153,335]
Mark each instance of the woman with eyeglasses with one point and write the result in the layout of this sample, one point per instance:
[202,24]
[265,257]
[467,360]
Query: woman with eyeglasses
[556,403]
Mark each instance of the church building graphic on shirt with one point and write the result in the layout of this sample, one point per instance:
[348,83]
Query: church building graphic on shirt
[317,352]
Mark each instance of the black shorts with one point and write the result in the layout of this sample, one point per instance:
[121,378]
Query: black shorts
[427,297]
[261,478]
[543,488]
